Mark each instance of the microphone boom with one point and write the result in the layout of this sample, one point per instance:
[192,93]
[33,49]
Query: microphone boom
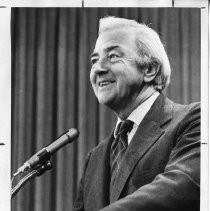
[45,153]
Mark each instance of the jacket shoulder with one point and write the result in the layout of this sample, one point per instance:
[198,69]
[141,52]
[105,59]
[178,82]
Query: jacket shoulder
[191,111]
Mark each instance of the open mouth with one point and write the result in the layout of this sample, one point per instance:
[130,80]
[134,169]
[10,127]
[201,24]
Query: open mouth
[105,83]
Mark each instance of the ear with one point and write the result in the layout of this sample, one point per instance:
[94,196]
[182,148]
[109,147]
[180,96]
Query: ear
[150,73]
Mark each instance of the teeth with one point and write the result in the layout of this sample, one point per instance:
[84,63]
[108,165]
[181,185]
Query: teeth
[105,83]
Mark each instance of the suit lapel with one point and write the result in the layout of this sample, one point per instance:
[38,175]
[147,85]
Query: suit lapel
[98,175]
[148,132]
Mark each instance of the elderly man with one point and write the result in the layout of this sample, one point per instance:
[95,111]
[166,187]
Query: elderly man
[152,160]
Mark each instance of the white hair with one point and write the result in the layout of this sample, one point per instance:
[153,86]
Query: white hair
[150,48]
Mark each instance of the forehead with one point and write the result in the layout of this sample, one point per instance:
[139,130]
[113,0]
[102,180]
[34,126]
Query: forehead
[119,39]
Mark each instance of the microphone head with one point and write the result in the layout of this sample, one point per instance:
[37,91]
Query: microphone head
[67,138]
[72,134]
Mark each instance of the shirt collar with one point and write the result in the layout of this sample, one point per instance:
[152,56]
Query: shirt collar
[139,113]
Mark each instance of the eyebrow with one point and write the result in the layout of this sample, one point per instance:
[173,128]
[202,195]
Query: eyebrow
[109,48]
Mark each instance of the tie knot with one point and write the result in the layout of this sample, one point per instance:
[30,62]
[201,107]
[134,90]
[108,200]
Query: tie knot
[125,127]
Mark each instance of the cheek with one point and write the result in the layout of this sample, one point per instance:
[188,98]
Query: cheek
[92,77]
[130,80]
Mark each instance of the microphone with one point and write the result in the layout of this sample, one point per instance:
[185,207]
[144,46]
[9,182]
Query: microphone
[45,153]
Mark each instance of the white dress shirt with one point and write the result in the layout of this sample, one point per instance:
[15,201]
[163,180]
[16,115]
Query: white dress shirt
[138,114]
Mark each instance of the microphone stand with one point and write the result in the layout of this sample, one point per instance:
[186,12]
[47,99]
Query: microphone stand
[37,171]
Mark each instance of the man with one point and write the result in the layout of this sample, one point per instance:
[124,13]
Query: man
[154,163]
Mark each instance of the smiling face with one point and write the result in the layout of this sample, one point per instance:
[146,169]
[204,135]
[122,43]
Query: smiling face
[115,76]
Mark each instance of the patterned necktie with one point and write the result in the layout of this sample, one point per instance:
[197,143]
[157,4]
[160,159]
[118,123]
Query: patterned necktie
[119,147]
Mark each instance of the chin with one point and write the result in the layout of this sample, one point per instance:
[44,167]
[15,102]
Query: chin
[104,100]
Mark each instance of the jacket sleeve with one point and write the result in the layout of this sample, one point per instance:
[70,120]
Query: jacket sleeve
[178,187]
[79,202]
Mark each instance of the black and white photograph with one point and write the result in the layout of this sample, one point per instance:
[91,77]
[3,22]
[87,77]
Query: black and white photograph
[107,105]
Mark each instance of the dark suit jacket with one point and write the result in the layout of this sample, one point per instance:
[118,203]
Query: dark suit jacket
[160,169]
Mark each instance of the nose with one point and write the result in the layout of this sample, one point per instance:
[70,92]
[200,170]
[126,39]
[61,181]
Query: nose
[100,67]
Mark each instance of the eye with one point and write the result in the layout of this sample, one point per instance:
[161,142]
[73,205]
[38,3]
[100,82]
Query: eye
[113,57]
[94,60]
